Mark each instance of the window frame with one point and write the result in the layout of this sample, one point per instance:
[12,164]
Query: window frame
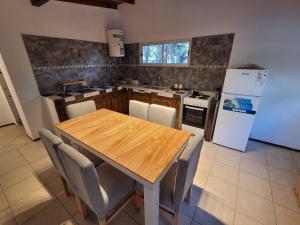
[141,45]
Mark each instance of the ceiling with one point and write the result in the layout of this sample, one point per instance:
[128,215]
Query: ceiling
[112,4]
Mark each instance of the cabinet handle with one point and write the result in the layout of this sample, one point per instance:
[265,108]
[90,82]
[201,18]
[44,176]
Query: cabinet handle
[194,108]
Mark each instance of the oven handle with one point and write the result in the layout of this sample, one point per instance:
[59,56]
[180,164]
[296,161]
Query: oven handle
[190,107]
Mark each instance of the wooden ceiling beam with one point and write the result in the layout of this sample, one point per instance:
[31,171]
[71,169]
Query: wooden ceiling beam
[99,3]
[38,3]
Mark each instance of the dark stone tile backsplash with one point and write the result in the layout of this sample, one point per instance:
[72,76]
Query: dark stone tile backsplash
[57,59]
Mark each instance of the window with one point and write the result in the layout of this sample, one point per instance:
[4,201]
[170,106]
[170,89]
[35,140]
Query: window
[167,53]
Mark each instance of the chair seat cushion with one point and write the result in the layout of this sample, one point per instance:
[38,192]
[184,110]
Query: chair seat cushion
[114,185]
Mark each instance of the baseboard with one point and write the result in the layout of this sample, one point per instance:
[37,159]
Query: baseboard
[281,146]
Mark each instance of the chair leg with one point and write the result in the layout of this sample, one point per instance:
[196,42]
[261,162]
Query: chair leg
[138,200]
[188,198]
[81,207]
[66,188]
[177,218]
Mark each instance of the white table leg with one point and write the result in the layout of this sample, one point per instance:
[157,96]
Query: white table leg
[151,201]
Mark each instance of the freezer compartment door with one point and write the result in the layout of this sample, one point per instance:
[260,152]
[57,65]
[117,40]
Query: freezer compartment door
[235,119]
[245,82]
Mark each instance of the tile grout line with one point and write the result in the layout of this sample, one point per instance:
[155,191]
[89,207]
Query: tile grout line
[236,195]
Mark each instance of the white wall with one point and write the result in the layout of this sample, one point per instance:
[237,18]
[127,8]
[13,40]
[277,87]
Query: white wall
[55,19]
[267,33]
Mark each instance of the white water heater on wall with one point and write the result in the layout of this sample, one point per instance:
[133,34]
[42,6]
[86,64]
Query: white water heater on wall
[115,39]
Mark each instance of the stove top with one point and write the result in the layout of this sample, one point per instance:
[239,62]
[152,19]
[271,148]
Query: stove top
[203,97]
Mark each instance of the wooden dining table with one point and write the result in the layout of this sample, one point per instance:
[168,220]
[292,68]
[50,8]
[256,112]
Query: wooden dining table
[141,149]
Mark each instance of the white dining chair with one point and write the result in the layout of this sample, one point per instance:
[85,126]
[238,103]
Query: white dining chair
[162,115]
[81,108]
[103,189]
[176,186]
[51,143]
[139,109]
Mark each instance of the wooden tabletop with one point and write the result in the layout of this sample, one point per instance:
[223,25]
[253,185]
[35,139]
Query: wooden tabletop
[140,146]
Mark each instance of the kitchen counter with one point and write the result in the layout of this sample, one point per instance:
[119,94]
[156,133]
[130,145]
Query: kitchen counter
[161,91]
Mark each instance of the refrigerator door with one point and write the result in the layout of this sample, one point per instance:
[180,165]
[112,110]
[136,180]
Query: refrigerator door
[235,119]
[245,82]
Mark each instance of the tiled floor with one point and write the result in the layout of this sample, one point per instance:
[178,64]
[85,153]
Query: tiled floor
[252,188]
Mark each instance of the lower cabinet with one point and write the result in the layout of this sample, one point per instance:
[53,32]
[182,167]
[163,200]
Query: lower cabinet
[118,101]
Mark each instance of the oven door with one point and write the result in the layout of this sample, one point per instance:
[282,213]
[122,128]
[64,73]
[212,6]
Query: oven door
[194,116]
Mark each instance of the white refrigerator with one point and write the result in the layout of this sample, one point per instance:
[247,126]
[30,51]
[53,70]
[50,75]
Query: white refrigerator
[240,98]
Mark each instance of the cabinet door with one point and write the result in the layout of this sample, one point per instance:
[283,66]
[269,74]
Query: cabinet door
[108,101]
[119,101]
[142,97]
[162,101]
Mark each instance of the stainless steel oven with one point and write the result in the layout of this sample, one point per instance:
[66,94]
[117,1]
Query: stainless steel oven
[194,116]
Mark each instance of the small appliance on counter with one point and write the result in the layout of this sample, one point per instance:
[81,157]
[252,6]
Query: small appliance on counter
[242,92]
[194,115]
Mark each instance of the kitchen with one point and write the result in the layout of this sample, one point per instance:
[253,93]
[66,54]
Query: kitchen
[58,61]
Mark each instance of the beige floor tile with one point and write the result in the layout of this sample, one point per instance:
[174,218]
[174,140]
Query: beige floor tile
[205,164]
[48,175]
[286,217]
[34,155]
[209,150]
[138,215]
[277,152]
[281,177]
[210,211]
[31,205]
[3,202]
[8,156]
[34,145]
[6,140]
[229,157]
[254,168]
[256,208]
[188,209]
[257,146]
[21,140]
[123,218]
[256,185]
[52,214]
[255,155]
[42,164]
[283,164]
[7,218]
[7,148]
[12,165]
[225,173]
[15,176]
[240,219]
[200,178]
[90,220]
[55,187]
[69,203]
[22,189]
[224,192]
[285,196]
[166,218]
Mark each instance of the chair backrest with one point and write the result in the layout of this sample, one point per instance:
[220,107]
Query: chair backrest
[51,143]
[139,109]
[186,170]
[162,115]
[80,108]
[83,178]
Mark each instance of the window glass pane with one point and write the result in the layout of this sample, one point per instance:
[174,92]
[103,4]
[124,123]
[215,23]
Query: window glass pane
[176,53]
[152,54]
